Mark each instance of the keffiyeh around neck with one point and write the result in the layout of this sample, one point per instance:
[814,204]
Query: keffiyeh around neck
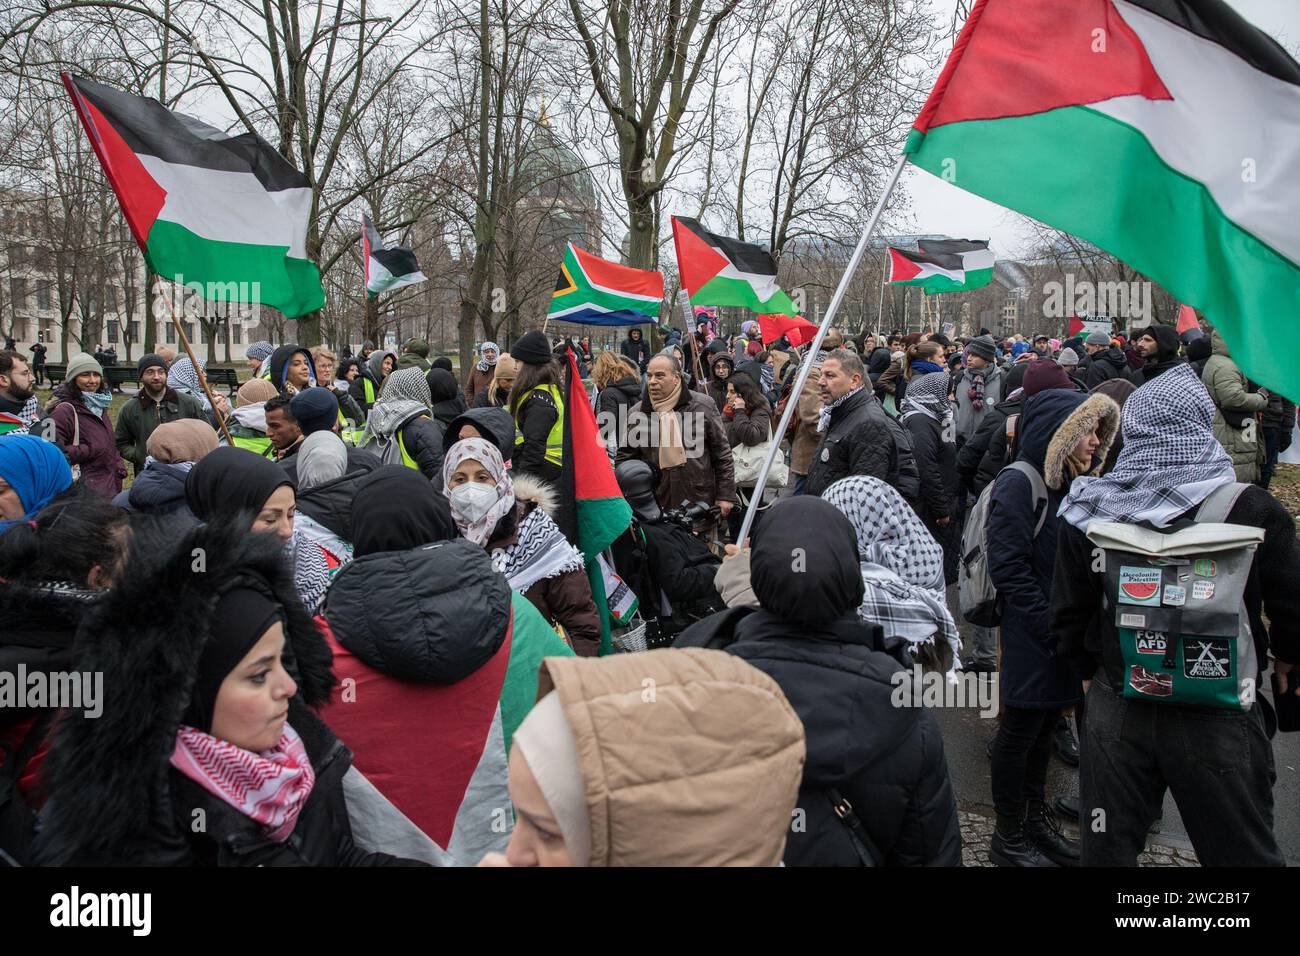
[824,416]
[540,551]
[902,564]
[484,363]
[928,394]
[1170,461]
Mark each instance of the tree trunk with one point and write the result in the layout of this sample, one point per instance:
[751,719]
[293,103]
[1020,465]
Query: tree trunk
[370,321]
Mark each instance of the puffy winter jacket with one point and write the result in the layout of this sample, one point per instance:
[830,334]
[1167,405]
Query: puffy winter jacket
[330,503]
[1237,431]
[623,394]
[936,460]
[158,489]
[1108,364]
[102,467]
[857,441]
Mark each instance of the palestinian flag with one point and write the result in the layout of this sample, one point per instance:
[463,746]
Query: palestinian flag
[205,206]
[797,329]
[387,269]
[721,271]
[594,291]
[593,511]
[1166,132]
[943,265]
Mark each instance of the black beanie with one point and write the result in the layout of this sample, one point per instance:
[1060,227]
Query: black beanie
[316,409]
[532,349]
[147,362]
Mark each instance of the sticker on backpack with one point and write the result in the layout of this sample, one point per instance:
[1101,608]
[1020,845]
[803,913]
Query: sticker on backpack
[1151,642]
[1151,683]
[1207,658]
[1139,585]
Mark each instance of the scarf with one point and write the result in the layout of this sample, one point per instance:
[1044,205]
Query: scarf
[1170,461]
[483,364]
[270,788]
[976,390]
[97,402]
[182,377]
[824,416]
[672,450]
[924,367]
[901,564]
[928,395]
[312,570]
[540,551]
[486,454]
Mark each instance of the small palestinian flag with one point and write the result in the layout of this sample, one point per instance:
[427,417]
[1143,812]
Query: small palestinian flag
[205,206]
[387,269]
[1166,132]
[594,291]
[593,511]
[717,270]
[943,265]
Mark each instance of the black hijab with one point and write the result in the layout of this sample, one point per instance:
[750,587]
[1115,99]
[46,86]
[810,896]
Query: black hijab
[231,481]
[396,509]
[239,620]
[804,564]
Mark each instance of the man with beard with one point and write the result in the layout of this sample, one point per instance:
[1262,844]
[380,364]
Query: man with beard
[17,412]
[155,404]
[1158,346]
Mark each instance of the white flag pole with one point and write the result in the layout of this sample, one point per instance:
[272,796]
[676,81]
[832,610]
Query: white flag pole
[806,366]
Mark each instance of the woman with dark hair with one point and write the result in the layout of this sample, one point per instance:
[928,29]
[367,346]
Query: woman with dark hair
[721,368]
[538,408]
[84,431]
[748,419]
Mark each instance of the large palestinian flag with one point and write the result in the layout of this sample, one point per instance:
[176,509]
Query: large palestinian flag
[716,270]
[387,268]
[943,265]
[594,291]
[1166,132]
[205,206]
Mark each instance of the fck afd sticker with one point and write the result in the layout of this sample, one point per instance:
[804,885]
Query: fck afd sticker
[1139,585]
[1207,658]
[1151,642]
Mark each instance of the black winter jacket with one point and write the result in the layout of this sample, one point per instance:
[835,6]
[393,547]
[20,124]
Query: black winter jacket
[493,423]
[856,442]
[1108,364]
[625,393]
[985,452]
[887,760]
[878,362]
[535,418]
[638,350]
[330,503]
[359,460]
[936,460]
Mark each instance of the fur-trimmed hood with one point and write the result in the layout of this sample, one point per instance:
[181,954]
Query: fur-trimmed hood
[1098,413]
[530,492]
[111,789]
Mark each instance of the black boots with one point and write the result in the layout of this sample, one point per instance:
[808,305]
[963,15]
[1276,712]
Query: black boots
[1044,830]
[1067,748]
[1015,848]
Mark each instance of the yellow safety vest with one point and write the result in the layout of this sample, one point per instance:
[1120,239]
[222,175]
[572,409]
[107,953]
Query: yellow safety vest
[407,460]
[369,386]
[261,446]
[555,440]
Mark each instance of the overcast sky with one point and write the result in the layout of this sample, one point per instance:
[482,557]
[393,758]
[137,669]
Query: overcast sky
[939,207]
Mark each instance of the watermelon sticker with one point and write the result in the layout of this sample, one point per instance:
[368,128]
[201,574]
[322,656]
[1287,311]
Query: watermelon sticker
[1139,585]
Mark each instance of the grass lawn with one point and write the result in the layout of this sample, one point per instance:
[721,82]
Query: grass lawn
[1286,487]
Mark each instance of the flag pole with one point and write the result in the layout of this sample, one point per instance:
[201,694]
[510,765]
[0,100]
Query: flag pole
[806,366]
[198,369]
[884,280]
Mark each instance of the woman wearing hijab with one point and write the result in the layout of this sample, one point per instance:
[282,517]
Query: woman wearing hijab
[232,485]
[928,417]
[902,571]
[292,369]
[496,393]
[32,472]
[446,401]
[430,635]
[402,417]
[867,755]
[510,518]
[480,376]
[172,450]
[365,388]
[706,776]
[1062,436]
[84,431]
[213,690]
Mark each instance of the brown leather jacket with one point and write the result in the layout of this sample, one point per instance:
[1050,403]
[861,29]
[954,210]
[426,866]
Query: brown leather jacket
[708,475]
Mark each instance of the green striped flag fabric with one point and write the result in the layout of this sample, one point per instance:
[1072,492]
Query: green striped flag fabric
[943,265]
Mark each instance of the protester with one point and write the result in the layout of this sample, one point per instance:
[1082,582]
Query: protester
[446,401]
[493,424]
[248,419]
[323,458]
[496,394]
[365,388]
[1104,361]
[17,392]
[315,409]
[38,362]
[538,408]
[291,370]
[256,354]
[748,419]
[636,349]
[1069,360]
[32,472]
[1198,352]
[172,450]
[401,428]
[156,403]
[855,435]
[511,518]
[182,379]
[425,628]
[1158,345]
[1235,424]
[415,354]
[978,389]
[709,772]
[223,728]
[282,429]
[323,364]
[1217,763]
[928,416]
[1015,375]
[887,779]
[482,373]
[1277,423]
[79,408]
[618,392]
[1064,435]
[721,367]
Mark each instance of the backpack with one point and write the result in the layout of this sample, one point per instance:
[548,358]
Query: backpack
[392,451]
[1177,600]
[977,597]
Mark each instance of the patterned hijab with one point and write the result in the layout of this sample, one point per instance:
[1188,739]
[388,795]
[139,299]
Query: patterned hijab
[902,564]
[182,377]
[928,394]
[1170,461]
[409,384]
[483,363]
[485,453]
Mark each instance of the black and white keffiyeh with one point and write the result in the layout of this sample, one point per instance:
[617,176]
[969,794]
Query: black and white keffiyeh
[483,363]
[824,417]
[183,378]
[311,572]
[1170,461]
[540,551]
[902,565]
[928,395]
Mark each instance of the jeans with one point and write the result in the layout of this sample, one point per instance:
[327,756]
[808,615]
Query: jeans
[1219,765]
[983,645]
[1021,751]
[1272,448]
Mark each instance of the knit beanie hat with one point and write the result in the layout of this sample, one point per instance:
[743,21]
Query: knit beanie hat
[982,347]
[253,391]
[507,367]
[316,409]
[1097,338]
[82,363]
[532,348]
[1068,357]
[187,439]
[1045,374]
[147,362]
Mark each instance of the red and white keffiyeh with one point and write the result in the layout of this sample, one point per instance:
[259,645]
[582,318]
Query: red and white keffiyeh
[271,787]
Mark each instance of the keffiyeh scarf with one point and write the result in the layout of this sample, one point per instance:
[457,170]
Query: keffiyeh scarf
[182,377]
[824,416]
[928,395]
[976,390]
[270,787]
[485,453]
[312,570]
[1170,461]
[540,551]
[483,363]
[902,565]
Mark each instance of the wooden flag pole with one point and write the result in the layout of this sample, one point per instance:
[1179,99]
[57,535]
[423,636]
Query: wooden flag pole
[806,366]
[198,369]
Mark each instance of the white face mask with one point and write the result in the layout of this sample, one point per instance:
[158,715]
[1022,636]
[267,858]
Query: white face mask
[472,500]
